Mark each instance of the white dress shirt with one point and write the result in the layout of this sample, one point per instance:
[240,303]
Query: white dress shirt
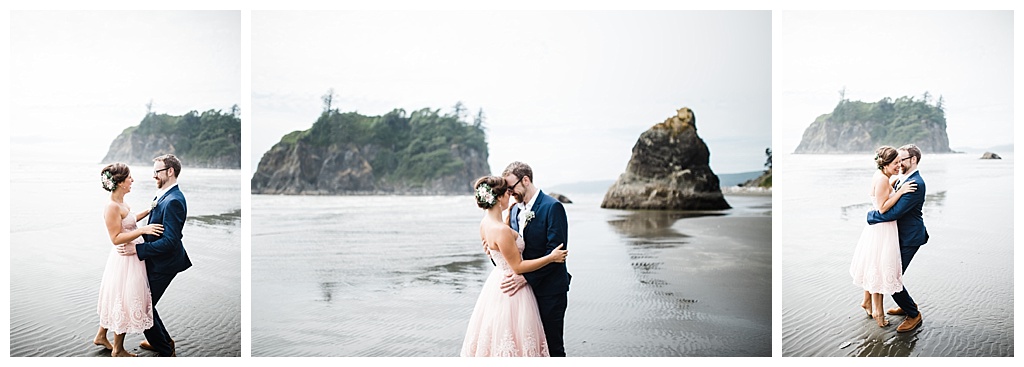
[522,212]
[902,179]
[160,194]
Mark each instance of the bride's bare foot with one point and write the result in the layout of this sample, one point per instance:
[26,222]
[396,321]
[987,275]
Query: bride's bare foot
[103,342]
[881,320]
[122,353]
[867,308]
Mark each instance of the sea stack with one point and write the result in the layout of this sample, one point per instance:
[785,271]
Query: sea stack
[668,171]
[424,153]
[860,127]
[212,139]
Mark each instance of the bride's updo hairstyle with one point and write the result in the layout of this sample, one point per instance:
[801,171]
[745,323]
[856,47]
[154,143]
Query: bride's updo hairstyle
[488,189]
[885,155]
[113,174]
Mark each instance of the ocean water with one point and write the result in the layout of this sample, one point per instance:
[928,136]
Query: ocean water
[962,279]
[399,276]
[59,247]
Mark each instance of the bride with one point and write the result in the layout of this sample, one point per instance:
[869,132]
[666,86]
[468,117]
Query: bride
[125,305]
[876,265]
[502,325]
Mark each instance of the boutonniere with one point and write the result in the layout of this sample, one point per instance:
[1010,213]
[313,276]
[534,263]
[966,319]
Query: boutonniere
[529,216]
[152,205]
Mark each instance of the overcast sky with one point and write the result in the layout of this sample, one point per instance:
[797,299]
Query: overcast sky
[964,56]
[78,78]
[567,92]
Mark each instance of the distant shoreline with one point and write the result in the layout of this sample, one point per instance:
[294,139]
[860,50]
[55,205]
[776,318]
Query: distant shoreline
[747,191]
[866,152]
[183,165]
[728,190]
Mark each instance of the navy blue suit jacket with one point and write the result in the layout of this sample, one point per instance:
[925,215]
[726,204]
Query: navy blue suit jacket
[165,253]
[548,229]
[907,214]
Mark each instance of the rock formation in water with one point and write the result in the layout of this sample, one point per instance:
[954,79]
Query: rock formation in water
[859,127]
[990,155]
[208,140]
[561,198]
[668,170]
[352,154]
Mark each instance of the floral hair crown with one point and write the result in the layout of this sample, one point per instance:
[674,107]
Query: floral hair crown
[484,195]
[108,181]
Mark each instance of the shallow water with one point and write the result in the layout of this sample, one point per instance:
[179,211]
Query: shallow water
[398,276]
[962,279]
[59,247]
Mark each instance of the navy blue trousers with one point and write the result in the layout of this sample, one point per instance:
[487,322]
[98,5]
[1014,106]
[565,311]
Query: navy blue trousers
[902,298]
[552,315]
[157,335]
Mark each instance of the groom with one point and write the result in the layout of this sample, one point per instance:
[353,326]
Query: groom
[164,255]
[907,214]
[541,221]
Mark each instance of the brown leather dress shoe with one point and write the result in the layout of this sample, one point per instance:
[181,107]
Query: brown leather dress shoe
[897,311]
[909,324]
[145,345]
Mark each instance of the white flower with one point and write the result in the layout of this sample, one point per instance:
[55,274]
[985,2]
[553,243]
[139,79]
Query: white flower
[484,195]
[108,182]
[152,205]
[529,215]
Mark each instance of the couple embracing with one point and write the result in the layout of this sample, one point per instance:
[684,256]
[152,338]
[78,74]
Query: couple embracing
[521,309]
[143,260]
[894,233]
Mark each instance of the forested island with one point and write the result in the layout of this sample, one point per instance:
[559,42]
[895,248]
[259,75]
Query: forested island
[861,127]
[211,139]
[347,153]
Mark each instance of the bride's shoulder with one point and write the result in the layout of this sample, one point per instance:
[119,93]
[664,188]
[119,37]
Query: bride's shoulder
[879,183]
[113,208]
[504,233]
[878,176]
[507,231]
[496,228]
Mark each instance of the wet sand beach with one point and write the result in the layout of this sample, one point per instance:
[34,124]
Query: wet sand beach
[398,276]
[962,279]
[57,263]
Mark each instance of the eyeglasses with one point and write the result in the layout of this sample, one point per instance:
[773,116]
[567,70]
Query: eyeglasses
[160,170]
[901,160]
[513,187]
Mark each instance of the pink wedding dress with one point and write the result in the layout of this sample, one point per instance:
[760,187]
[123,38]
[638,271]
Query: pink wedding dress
[503,326]
[877,266]
[125,304]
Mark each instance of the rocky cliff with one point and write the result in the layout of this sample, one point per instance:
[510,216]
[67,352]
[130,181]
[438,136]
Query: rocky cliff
[352,154]
[859,127]
[764,180]
[208,140]
[668,170]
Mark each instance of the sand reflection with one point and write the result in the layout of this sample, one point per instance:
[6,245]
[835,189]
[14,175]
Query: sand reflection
[647,225]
